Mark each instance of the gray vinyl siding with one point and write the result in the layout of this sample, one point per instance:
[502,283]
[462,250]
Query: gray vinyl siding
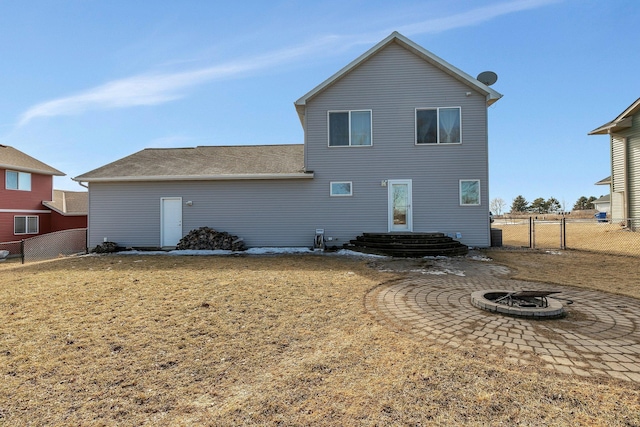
[633,153]
[618,178]
[393,84]
[263,212]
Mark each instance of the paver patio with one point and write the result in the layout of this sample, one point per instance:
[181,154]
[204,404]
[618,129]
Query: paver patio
[599,336]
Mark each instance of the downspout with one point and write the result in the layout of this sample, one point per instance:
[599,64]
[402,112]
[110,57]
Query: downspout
[82,185]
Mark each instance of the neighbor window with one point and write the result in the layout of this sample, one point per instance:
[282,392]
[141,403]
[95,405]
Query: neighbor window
[18,181]
[438,126]
[25,225]
[341,189]
[470,192]
[349,128]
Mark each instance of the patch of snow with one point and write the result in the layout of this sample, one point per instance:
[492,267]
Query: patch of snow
[479,258]
[553,252]
[250,251]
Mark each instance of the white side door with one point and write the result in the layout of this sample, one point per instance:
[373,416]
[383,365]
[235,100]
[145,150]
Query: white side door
[400,211]
[170,221]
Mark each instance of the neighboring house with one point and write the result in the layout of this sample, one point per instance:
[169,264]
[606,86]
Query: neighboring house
[624,137]
[603,204]
[396,141]
[26,186]
[68,209]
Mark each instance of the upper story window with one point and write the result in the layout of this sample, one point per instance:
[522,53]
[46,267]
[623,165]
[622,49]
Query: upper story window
[438,126]
[18,181]
[349,128]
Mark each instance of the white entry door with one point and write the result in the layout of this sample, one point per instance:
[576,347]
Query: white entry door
[171,221]
[400,212]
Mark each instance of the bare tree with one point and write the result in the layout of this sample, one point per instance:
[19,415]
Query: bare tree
[497,205]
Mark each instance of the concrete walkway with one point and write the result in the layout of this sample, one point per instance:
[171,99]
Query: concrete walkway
[600,335]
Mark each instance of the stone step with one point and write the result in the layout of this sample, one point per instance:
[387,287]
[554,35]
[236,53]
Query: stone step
[407,244]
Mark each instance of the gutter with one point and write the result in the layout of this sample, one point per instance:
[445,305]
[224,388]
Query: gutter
[305,175]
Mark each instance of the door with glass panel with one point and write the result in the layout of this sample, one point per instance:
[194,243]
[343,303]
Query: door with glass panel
[400,212]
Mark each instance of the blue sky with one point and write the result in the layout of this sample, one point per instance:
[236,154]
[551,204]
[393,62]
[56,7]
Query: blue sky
[84,83]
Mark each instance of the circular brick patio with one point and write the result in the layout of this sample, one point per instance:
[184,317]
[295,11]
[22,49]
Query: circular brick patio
[600,335]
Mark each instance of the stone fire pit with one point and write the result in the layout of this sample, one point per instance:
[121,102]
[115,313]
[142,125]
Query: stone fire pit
[533,304]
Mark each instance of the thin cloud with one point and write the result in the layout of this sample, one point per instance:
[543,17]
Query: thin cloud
[154,89]
[473,17]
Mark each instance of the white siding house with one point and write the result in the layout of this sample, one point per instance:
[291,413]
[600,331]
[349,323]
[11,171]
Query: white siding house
[624,140]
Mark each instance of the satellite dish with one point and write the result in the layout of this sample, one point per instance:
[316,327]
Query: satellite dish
[487,77]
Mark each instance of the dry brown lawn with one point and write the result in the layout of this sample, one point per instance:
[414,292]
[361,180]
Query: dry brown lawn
[609,238]
[262,340]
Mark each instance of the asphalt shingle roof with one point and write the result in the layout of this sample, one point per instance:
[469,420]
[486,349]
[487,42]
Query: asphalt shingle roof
[69,202]
[10,158]
[204,162]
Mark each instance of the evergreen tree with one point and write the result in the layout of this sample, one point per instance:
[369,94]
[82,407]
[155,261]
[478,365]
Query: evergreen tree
[584,203]
[519,204]
[539,205]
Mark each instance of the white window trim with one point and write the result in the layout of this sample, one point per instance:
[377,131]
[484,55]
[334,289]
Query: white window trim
[26,224]
[415,126]
[460,192]
[6,181]
[348,111]
[341,182]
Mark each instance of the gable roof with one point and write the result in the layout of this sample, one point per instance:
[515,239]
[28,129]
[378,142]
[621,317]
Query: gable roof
[10,158]
[205,163]
[604,199]
[623,121]
[604,181]
[69,203]
[395,37]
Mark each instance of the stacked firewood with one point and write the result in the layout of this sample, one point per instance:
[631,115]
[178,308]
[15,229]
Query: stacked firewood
[205,238]
[107,248]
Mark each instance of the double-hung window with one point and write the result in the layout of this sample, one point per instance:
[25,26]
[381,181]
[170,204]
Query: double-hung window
[469,192]
[349,128]
[18,181]
[25,225]
[438,126]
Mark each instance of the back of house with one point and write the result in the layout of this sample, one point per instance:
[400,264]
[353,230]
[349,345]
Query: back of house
[396,141]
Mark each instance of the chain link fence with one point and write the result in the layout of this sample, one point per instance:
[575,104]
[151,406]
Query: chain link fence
[620,237]
[14,249]
[48,246]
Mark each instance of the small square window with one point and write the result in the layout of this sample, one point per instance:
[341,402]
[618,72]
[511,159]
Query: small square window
[342,188]
[470,192]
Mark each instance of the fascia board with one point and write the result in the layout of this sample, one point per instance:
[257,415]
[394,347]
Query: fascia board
[623,121]
[492,95]
[196,177]
[31,170]
[612,127]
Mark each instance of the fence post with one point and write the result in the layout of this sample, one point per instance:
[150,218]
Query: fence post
[532,239]
[563,233]
[22,251]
